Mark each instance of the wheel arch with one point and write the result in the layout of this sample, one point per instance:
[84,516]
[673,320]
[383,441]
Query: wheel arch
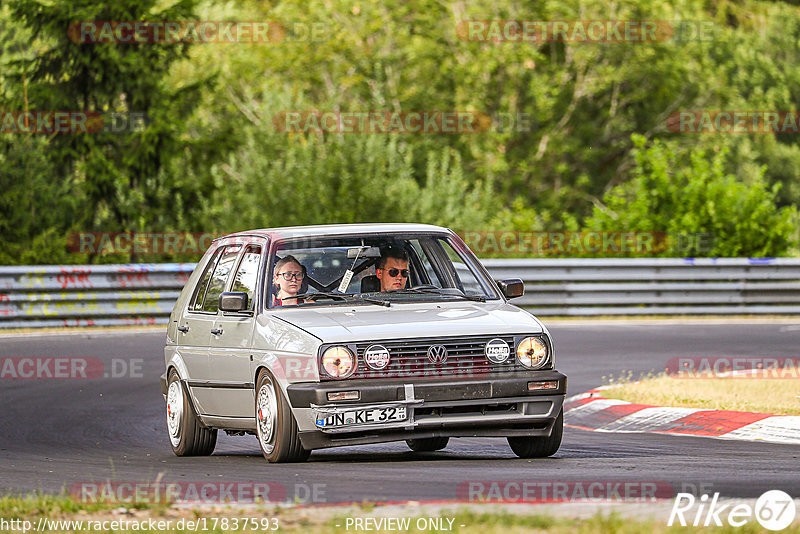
[263,367]
[172,366]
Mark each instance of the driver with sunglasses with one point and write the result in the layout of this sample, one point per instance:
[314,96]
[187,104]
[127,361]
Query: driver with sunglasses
[392,269]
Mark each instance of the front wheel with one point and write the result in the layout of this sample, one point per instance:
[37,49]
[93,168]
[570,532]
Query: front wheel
[539,446]
[275,425]
[186,435]
[427,444]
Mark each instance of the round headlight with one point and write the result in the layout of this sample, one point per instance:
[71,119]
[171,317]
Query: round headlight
[338,362]
[532,352]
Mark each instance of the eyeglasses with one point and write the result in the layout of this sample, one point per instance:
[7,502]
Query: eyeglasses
[297,275]
[394,272]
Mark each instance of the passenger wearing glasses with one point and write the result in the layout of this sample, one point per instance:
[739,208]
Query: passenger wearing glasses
[287,280]
[392,269]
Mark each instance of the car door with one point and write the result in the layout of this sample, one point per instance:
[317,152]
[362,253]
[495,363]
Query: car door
[194,330]
[197,324]
[231,340]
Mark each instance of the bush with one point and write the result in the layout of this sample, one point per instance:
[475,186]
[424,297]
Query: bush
[690,195]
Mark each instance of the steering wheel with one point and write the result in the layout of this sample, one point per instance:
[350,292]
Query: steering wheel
[425,286]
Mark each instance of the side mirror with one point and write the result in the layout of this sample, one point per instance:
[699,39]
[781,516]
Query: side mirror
[233,301]
[511,287]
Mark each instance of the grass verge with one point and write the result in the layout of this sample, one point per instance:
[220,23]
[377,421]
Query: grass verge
[764,395]
[331,520]
[40,504]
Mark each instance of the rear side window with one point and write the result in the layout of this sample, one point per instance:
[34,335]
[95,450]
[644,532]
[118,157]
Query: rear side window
[220,277]
[247,274]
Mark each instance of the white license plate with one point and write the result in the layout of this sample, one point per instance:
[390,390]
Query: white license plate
[389,414]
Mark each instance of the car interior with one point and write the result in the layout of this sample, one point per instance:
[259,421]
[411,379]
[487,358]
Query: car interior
[325,266]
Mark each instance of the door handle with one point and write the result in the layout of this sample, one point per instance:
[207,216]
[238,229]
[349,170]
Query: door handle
[183,329]
[216,331]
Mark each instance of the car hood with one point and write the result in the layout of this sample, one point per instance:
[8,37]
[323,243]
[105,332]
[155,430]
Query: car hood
[404,320]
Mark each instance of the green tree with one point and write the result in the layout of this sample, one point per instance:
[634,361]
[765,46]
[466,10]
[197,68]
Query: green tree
[211,143]
[119,175]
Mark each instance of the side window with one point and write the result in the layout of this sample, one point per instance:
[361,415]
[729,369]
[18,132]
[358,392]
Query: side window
[247,274]
[202,286]
[469,283]
[218,280]
[426,264]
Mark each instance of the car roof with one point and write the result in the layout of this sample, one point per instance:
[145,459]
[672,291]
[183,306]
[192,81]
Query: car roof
[339,229]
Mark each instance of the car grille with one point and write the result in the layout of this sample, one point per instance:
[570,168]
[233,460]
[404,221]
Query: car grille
[409,358]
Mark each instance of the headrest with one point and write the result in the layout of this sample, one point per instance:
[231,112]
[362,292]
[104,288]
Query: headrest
[304,283]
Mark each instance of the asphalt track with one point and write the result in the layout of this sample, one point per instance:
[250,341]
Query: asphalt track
[56,433]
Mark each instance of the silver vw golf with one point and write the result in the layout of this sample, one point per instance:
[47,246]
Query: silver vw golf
[323,336]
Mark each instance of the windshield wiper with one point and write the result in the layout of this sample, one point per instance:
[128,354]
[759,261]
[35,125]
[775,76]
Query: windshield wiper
[379,302]
[438,291]
[328,294]
[340,296]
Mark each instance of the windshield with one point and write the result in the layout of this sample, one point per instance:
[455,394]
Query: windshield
[374,269]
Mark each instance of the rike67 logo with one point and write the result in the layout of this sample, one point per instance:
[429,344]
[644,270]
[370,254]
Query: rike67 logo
[774,510]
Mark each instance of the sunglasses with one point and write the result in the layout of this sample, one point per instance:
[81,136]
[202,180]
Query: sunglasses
[297,275]
[394,272]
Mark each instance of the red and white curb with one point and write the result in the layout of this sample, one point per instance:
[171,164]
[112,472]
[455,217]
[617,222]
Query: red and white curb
[592,411]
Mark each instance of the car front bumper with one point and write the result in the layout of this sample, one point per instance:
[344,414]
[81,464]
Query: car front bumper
[496,405]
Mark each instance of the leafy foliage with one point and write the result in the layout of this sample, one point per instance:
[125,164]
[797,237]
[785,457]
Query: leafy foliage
[577,136]
[703,209]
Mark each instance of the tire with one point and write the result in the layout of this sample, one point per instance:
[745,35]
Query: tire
[427,444]
[539,446]
[276,428]
[187,436]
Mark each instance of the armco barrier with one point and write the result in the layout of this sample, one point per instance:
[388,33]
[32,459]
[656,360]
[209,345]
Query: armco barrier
[89,295]
[650,286]
[100,295]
